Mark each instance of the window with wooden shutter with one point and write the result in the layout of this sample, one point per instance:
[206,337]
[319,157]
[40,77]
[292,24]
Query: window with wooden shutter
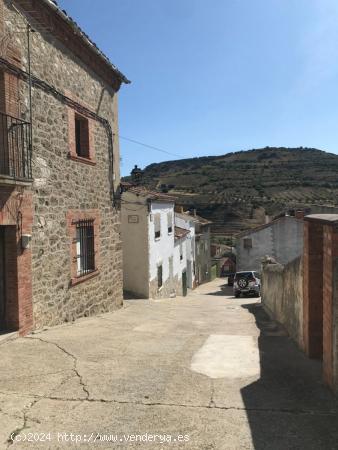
[81,136]
[157,225]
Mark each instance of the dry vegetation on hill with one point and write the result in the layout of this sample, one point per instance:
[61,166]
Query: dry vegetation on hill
[236,190]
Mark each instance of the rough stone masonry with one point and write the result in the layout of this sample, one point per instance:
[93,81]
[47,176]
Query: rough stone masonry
[65,187]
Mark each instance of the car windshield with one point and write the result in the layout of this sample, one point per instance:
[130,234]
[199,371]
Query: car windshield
[243,274]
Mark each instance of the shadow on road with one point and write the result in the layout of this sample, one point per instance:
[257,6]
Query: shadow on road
[223,290]
[288,407]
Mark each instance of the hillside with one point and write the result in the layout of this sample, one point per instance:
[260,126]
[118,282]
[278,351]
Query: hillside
[236,190]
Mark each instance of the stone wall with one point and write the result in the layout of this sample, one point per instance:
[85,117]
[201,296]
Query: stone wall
[330,305]
[61,184]
[320,319]
[282,295]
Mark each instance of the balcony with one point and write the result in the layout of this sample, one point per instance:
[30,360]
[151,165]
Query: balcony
[15,151]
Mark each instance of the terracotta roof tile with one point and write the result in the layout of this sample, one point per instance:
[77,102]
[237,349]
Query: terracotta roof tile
[153,195]
[265,225]
[188,216]
[181,233]
[85,38]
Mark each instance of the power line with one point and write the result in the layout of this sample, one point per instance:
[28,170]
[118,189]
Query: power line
[148,146]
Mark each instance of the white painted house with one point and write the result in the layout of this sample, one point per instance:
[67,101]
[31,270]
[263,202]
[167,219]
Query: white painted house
[281,239]
[154,251]
[188,222]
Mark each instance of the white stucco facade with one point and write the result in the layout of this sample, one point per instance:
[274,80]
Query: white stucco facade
[161,249]
[184,221]
[153,260]
[281,239]
[134,231]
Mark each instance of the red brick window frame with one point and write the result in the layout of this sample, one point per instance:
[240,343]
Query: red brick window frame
[80,137]
[74,219]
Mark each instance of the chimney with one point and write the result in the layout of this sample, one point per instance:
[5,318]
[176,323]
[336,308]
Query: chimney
[194,211]
[300,214]
[136,174]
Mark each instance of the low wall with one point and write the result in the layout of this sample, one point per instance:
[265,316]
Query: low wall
[282,295]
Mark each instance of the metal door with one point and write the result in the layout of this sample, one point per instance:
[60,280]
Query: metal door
[184,283]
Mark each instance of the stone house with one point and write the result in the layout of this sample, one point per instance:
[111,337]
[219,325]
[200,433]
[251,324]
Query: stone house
[154,250]
[60,246]
[281,239]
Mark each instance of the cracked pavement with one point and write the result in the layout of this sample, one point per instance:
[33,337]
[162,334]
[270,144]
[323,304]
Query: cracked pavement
[208,366]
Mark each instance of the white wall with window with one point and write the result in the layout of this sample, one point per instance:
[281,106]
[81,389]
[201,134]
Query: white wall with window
[85,248]
[184,221]
[152,260]
[180,256]
[161,248]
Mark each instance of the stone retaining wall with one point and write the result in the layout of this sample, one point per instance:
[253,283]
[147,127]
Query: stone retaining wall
[282,295]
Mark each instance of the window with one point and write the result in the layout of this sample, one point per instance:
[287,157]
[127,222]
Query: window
[84,233]
[247,243]
[81,136]
[85,249]
[181,251]
[159,276]
[170,222]
[157,225]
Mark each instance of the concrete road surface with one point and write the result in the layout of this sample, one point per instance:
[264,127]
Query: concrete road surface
[207,371]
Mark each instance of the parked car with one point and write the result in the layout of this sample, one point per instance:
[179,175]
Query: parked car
[231,277]
[247,282]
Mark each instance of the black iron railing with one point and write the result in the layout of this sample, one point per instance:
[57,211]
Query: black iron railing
[15,148]
[85,247]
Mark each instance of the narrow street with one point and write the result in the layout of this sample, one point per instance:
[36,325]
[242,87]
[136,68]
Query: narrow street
[209,367]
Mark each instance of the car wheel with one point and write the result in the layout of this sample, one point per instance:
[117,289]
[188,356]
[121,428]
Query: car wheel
[242,283]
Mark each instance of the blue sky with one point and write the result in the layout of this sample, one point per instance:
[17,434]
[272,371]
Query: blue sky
[210,77]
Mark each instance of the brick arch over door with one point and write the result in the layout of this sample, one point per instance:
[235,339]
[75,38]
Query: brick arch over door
[15,220]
